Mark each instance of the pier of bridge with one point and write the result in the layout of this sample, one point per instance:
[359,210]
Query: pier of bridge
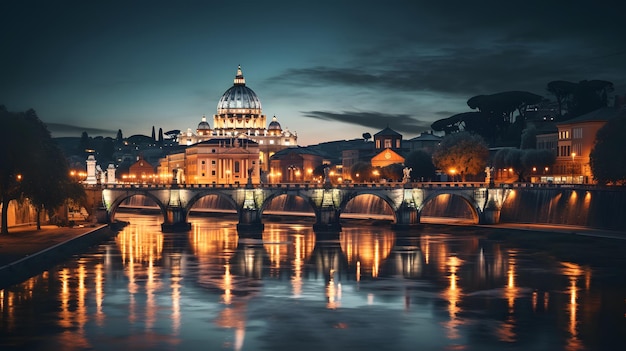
[328,201]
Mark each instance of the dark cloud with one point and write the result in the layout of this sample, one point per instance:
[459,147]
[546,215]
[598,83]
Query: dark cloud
[62,130]
[399,122]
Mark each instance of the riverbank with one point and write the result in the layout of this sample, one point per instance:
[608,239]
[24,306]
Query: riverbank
[26,251]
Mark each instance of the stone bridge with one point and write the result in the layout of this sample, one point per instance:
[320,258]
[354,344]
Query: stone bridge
[328,201]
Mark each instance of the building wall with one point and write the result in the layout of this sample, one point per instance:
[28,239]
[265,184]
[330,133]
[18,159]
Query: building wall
[226,161]
[575,142]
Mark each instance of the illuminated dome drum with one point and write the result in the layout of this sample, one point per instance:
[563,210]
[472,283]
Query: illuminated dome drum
[239,110]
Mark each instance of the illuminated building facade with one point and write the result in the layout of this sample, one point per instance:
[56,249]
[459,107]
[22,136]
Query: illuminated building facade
[239,115]
[576,138]
[214,161]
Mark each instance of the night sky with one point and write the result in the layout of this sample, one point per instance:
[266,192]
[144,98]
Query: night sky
[328,70]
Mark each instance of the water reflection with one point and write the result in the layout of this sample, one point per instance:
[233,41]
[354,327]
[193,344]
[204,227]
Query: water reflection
[212,288]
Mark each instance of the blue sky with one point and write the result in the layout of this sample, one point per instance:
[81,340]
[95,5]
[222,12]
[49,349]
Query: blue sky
[329,70]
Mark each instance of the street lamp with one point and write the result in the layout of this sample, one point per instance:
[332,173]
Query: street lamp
[453,173]
[228,176]
[292,169]
[309,173]
[573,164]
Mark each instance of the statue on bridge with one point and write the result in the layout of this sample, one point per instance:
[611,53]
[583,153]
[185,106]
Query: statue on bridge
[406,174]
[488,178]
[326,174]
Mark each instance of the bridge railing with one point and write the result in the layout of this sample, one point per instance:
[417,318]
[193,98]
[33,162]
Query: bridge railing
[387,185]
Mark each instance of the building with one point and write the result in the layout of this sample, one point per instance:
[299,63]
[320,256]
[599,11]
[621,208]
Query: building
[214,161]
[240,115]
[141,172]
[295,165]
[426,142]
[576,138]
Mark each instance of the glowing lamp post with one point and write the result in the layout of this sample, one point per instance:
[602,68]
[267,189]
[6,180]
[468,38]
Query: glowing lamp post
[453,173]
[573,164]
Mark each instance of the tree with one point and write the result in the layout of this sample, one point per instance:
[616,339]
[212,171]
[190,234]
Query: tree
[421,164]
[522,161]
[529,138]
[367,136]
[361,172]
[38,170]
[608,156]
[563,92]
[153,134]
[392,172]
[160,136]
[580,98]
[84,145]
[12,161]
[462,153]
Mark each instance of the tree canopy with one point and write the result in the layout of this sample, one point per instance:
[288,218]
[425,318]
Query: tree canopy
[462,153]
[575,99]
[523,161]
[33,165]
[495,120]
[421,165]
[608,156]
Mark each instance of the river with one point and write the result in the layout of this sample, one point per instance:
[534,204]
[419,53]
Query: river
[431,288]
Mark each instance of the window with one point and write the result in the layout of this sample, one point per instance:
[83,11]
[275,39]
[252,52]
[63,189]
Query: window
[577,133]
[387,143]
[213,172]
[236,166]
[213,162]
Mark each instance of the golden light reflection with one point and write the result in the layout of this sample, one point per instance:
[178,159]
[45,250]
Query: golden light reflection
[175,286]
[138,244]
[81,308]
[227,286]
[506,329]
[99,294]
[234,317]
[574,272]
[65,314]
[297,264]
[208,242]
[273,241]
[368,250]
[453,294]
[333,292]
[152,285]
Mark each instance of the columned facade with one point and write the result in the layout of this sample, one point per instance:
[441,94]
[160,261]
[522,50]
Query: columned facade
[240,115]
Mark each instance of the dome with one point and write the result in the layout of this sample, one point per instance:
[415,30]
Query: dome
[274,125]
[239,96]
[204,125]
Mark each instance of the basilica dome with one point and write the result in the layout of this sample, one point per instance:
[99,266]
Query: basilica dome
[274,125]
[204,125]
[239,96]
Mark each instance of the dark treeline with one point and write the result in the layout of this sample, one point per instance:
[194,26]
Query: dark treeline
[32,166]
[501,118]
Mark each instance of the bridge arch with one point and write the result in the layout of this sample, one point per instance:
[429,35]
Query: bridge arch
[116,203]
[351,196]
[210,192]
[276,194]
[465,197]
